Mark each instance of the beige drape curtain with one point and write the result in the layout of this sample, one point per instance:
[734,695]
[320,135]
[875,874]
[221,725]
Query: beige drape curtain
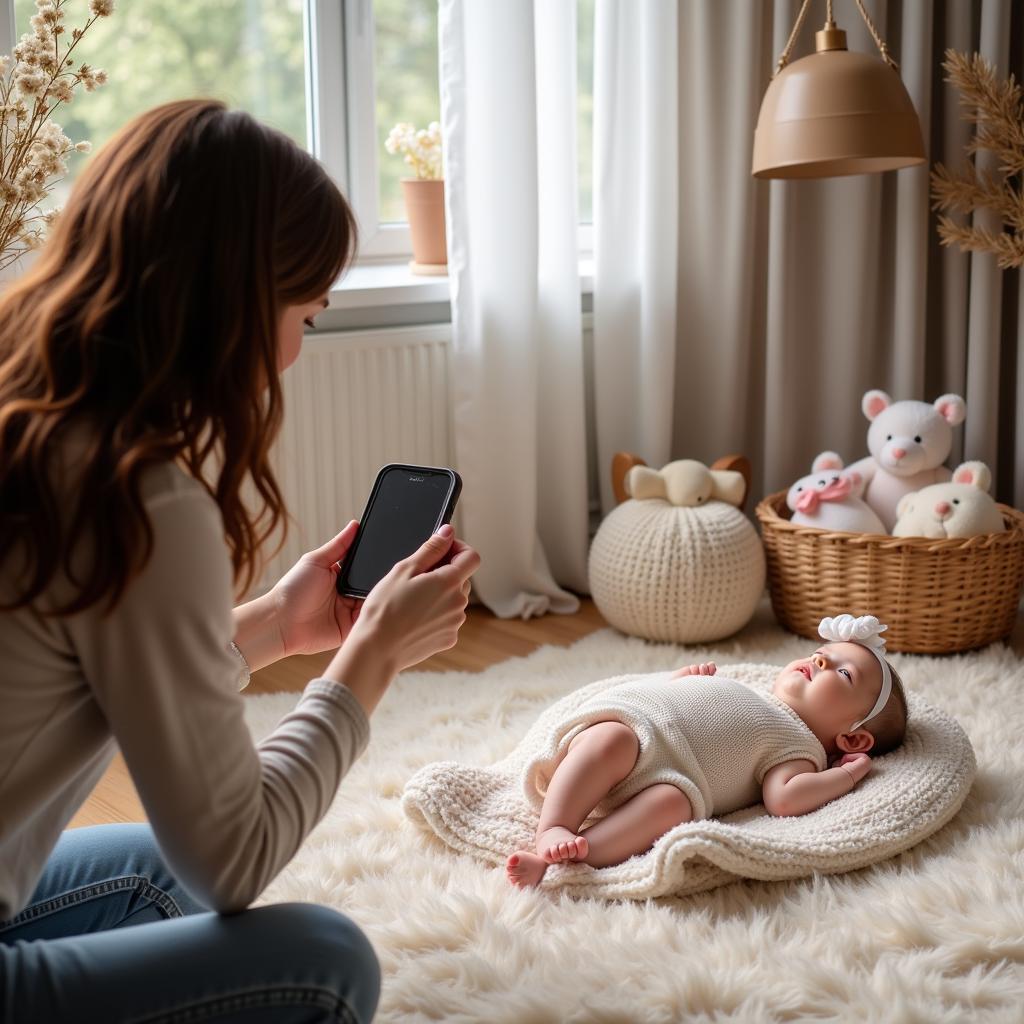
[794,298]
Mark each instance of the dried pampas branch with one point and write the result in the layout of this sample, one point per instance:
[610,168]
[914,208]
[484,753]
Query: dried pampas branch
[35,80]
[997,109]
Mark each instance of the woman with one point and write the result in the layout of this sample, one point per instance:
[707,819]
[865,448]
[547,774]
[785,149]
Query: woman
[139,395]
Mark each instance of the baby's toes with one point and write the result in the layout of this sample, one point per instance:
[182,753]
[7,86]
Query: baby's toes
[524,869]
[557,853]
[515,870]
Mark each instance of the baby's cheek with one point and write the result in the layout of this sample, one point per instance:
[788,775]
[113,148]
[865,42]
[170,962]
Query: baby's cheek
[837,693]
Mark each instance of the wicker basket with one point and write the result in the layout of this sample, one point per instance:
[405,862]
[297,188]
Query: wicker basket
[937,596]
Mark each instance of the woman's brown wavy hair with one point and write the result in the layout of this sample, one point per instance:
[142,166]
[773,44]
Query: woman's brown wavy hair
[150,320]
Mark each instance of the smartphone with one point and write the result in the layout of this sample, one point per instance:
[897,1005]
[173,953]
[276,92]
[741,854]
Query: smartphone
[407,505]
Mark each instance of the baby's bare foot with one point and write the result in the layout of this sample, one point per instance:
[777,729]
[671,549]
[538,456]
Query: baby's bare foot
[525,869]
[557,844]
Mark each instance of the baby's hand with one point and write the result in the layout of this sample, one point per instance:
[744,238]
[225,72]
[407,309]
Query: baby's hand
[855,765]
[707,669]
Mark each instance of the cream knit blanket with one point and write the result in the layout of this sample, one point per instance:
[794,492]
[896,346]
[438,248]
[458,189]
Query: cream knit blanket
[909,794]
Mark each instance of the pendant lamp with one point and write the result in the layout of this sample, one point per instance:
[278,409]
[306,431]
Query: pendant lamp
[835,112]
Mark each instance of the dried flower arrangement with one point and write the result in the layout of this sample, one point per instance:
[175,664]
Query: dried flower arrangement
[421,149]
[997,108]
[33,148]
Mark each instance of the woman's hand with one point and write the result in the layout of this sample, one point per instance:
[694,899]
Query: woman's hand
[708,668]
[311,615]
[413,612]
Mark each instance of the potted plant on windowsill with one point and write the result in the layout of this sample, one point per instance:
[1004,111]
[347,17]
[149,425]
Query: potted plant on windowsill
[423,194]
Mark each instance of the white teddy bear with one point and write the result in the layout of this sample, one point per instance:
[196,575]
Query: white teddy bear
[961,508]
[829,499]
[909,442]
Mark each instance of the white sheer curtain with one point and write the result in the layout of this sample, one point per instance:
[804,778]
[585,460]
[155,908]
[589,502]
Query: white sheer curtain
[508,111]
[636,236]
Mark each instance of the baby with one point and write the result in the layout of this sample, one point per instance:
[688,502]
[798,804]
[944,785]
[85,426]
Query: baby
[658,750]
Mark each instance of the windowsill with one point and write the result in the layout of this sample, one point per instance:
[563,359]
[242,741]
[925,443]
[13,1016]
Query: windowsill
[371,285]
[387,285]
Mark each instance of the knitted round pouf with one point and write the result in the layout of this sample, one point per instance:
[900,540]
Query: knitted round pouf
[676,573]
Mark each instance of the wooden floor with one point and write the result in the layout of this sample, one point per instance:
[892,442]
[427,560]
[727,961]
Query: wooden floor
[483,641]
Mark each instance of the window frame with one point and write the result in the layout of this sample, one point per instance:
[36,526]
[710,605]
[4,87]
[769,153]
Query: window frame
[341,100]
[352,46]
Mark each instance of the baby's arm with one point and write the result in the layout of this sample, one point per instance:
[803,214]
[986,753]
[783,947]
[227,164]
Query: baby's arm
[796,787]
[709,668]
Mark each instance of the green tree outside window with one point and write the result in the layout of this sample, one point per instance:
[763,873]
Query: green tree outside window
[248,53]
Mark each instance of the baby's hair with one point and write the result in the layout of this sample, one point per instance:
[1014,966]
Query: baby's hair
[889,726]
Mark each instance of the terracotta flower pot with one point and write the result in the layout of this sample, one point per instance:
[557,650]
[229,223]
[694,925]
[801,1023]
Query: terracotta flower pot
[424,206]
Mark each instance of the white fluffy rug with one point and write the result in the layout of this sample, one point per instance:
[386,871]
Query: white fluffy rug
[936,934]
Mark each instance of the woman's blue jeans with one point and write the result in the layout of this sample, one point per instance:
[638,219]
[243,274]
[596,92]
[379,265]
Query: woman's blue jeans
[109,935]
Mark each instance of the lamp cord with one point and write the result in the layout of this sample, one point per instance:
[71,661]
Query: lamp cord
[882,48]
[879,42]
[784,59]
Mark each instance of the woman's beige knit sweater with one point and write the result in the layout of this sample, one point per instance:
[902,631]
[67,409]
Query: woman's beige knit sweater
[155,678]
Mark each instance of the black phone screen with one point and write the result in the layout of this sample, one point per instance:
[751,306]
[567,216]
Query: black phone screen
[407,504]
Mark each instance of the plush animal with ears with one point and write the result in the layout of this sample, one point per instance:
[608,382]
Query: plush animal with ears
[686,483]
[960,508]
[676,559]
[829,499]
[909,442]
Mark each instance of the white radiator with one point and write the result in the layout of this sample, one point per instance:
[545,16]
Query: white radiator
[353,402]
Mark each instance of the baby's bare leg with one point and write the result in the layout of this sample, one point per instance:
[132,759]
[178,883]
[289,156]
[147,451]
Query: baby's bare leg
[634,827]
[598,758]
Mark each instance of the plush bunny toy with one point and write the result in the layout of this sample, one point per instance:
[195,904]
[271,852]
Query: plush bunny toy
[961,508]
[829,499]
[909,442]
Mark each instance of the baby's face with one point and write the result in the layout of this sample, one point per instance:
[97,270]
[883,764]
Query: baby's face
[831,689]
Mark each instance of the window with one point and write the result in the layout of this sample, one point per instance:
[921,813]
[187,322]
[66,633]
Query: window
[335,75]
[406,76]
[249,53]
[392,75]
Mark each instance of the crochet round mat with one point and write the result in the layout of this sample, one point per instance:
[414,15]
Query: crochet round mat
[909,794]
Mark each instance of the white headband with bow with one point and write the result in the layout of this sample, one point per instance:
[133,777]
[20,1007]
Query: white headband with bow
[867,631]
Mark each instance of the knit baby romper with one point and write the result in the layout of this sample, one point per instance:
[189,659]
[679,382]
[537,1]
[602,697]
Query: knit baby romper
[712,737]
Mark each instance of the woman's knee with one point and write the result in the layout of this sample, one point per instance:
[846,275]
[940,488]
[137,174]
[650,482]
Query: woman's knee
[333,945]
